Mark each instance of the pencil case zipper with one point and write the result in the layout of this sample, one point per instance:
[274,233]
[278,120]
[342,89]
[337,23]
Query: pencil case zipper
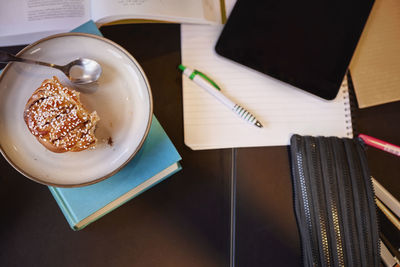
[334,202]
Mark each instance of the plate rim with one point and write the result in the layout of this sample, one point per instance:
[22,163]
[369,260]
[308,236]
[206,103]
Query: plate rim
[149,121]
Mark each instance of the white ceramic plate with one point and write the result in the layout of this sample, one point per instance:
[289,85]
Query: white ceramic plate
[122,99]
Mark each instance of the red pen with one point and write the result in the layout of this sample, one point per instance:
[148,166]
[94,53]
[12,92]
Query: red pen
[385,146]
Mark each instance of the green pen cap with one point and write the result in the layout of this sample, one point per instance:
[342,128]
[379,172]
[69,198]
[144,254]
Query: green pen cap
[181,67]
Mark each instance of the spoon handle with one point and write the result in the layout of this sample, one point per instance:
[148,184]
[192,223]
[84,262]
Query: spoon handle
[7,57]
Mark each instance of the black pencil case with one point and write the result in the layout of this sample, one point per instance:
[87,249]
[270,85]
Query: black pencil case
[334,202]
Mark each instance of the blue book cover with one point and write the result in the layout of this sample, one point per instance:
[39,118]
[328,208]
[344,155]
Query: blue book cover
[156,160]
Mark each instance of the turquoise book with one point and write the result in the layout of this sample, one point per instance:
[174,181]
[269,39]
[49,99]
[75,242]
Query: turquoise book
[155,161]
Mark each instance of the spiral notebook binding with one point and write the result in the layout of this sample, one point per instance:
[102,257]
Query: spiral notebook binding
[352,103]
[348,108]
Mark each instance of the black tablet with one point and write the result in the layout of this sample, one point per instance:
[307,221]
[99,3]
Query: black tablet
[308,44]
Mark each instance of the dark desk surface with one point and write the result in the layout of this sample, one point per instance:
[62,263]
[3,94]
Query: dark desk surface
[185,220]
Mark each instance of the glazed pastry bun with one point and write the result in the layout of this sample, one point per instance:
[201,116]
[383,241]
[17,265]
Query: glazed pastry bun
[57,118]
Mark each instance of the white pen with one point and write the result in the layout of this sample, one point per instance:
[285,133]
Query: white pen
[211,87]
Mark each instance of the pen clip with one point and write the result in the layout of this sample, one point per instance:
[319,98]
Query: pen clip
[196,72]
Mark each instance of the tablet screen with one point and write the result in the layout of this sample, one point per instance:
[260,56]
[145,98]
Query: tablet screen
[308,44]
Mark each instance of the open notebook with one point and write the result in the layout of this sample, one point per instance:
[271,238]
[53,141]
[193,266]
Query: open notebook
[281,108]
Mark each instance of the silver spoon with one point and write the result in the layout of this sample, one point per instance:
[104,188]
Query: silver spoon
[79,71]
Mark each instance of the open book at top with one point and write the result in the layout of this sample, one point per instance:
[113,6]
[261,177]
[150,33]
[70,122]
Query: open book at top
[26,21]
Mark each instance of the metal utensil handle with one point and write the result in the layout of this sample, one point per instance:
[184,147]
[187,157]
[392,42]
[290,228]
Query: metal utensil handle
[7,57]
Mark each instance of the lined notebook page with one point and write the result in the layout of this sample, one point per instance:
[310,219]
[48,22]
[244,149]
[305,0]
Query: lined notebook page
[282,109]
